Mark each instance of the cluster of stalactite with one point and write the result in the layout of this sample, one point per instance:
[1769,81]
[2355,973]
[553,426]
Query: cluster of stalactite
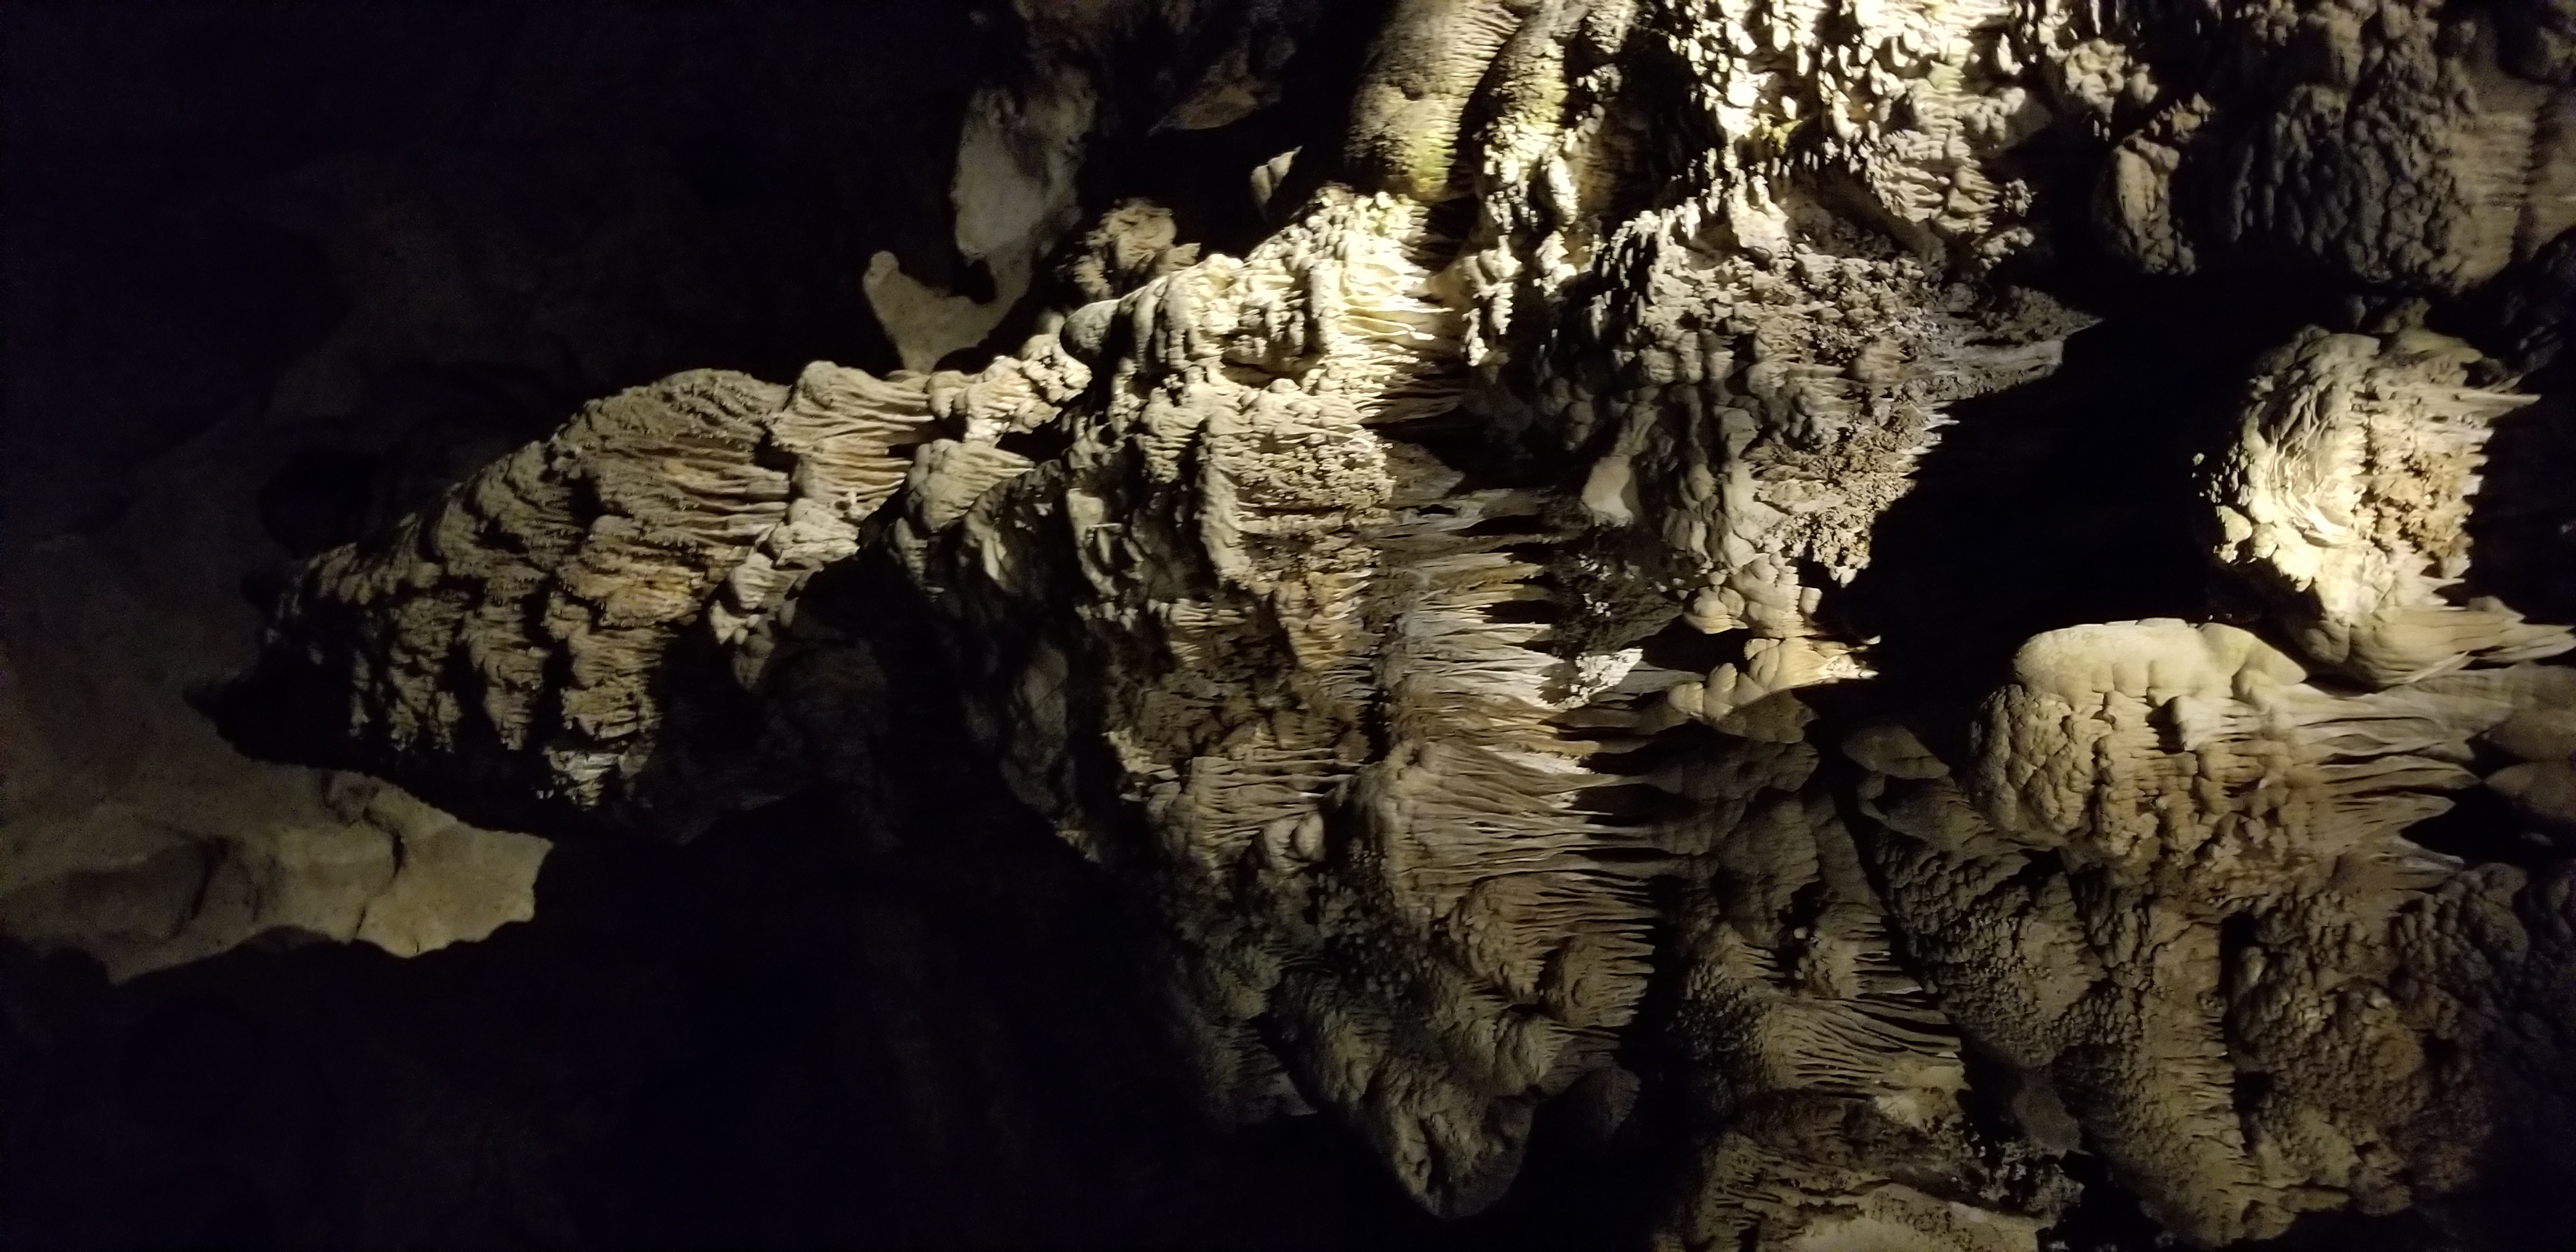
[1454,616]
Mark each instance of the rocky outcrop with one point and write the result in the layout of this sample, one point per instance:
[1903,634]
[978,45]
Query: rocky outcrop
[2347,499]
[293,274]
[1446,620]
[563,578]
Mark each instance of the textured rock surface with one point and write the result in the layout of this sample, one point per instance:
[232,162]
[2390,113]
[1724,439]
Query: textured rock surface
[2347,498]
[128,827]
[1557,621]
[563,577]
[275,276]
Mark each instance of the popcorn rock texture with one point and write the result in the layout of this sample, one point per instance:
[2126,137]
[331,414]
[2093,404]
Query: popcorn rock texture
[1455,621]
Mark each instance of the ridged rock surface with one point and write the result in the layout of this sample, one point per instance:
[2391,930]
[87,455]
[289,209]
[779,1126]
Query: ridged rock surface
[1452,620]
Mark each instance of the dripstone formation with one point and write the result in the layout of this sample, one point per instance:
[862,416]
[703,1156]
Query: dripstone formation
[1633,593]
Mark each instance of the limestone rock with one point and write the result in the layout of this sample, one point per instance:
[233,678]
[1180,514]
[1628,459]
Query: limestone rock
[2347,497]
[1439,620]
[562,578]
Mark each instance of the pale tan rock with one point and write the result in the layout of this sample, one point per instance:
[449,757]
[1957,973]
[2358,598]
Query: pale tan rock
[562,575]
[2220,868]
[1330,614]
[130,830]
[1261,588]
[2345,499]
[2381,142]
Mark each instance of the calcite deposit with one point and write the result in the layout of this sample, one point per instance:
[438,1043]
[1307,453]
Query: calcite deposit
[1445,619]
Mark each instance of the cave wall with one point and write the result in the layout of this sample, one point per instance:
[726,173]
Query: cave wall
[275,273]
[277,276]
[1910,626]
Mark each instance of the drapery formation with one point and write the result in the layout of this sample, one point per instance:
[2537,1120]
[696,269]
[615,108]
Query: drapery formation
[1472,622]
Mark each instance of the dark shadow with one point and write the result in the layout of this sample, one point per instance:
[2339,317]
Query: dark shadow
[2066,500]
[2104,1218]
[772,1040]
[901,1016]
[2522,520]
[1202,176]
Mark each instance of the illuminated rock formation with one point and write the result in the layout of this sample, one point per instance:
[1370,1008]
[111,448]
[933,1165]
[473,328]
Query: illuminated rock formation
[1445,619]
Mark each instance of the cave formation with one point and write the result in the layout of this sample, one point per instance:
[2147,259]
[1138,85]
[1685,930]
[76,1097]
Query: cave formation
[1863,627]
